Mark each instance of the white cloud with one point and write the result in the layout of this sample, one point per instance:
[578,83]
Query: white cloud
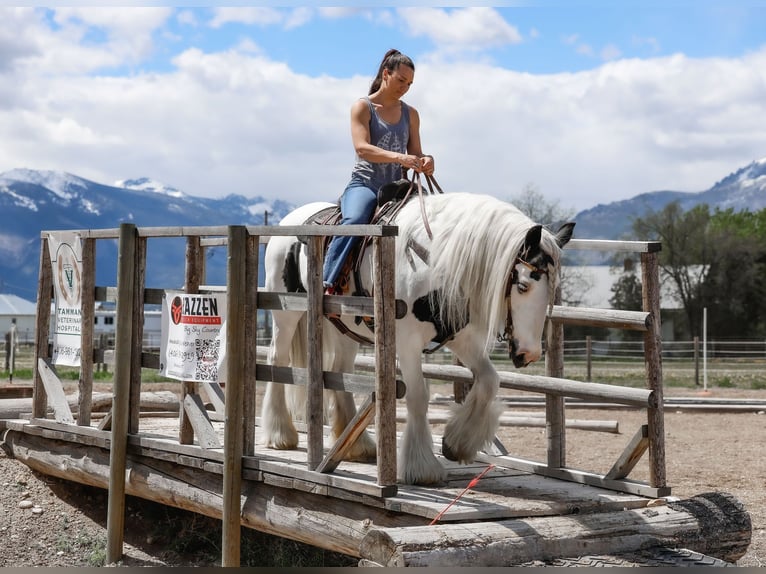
[237,121]
[262,16]
[461,29]
[610,52]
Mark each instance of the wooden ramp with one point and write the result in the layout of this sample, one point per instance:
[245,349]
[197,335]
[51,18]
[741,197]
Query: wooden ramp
[508,517]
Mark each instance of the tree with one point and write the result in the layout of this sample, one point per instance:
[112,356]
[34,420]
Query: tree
[734,288]
[626,293]
[687,252]
[535,206]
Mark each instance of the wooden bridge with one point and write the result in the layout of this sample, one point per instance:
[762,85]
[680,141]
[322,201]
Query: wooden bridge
[206,458]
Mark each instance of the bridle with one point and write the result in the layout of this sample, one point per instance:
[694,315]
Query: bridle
[507,334]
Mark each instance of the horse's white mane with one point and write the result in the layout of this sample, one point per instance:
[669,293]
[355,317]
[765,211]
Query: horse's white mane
[476,239]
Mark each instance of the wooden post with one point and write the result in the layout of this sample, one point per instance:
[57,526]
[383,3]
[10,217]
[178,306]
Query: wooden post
[88,305]
[650,286]
[696,361]
[194,266]
[555,414]
[384,260]
[315,387]
[236,334]
[115,521]
[588,358]
[42,329]
[137,330]
[251,353]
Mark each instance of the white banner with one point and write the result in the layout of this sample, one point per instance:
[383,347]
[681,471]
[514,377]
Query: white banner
[65,249]
[193,339]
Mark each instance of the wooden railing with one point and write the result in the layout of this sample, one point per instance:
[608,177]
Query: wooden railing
[243,367]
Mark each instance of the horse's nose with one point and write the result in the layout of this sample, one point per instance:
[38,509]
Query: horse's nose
[524,356]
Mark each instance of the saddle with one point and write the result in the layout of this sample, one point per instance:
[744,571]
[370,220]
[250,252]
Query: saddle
[391,198]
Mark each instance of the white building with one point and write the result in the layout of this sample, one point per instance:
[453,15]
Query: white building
[14,307]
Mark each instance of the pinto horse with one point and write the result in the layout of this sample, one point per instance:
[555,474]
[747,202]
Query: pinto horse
[482,268]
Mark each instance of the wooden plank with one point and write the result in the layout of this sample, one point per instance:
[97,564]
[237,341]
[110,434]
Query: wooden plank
[332,380]
[236,352]
[555,411]
[249,412]
[531,420]
[631,455]
[88,310]
[650,294]
[686,524]
[260,230]
[610,318]
[215,396]
[339,304]
[106,422]
[42,327]
[614,245]
[200,422]
[55,392]
[384,260]
[126,262]
[346,440]
[73,432]
[312,231]
[579,476]
[314,388]
[537,384]
[337,480]
[137,334]
[192,279]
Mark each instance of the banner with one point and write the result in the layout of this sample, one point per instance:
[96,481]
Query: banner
[65,250]
[193,337]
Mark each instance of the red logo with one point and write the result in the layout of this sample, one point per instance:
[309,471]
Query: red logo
[176,310]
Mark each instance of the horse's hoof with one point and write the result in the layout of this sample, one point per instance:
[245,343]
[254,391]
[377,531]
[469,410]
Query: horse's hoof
[447,451]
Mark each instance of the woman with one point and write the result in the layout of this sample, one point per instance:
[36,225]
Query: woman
[386,136]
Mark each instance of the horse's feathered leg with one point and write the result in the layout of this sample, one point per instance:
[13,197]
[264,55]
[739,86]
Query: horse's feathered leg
[474,422]
[339,355]
[417,463]
[276,421]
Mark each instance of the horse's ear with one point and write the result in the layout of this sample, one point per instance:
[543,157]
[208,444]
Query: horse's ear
[532,240]
[564,234]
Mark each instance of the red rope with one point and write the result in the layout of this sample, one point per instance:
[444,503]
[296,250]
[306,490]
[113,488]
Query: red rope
[471,484]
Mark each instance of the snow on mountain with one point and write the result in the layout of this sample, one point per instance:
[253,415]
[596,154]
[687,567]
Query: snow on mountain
[148,184]
[61,183]
[744,189]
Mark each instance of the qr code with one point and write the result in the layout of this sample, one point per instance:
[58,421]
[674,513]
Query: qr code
[207,359]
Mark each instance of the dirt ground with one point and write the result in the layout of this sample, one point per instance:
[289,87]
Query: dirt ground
[45,521]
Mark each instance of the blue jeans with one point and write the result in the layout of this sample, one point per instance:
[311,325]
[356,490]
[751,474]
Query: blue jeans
[357,204]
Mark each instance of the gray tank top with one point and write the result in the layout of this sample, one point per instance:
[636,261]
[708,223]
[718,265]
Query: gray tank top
[391,137]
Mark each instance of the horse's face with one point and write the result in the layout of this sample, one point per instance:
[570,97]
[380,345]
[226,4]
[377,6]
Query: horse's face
[529,296]
[528,304]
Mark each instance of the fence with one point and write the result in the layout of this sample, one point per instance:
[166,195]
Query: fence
[244,299]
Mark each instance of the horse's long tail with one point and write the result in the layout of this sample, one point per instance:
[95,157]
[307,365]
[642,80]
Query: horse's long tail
[295,395]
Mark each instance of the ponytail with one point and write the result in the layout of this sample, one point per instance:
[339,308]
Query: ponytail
[391,61]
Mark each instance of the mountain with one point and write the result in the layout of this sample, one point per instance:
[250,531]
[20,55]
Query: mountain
[33,201]
[744,189]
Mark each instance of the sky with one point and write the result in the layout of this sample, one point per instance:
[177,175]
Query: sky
[585,102]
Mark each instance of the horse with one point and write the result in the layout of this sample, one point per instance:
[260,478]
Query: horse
[479,268]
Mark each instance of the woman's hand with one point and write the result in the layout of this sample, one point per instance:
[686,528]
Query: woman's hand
[427,165]
[422,164]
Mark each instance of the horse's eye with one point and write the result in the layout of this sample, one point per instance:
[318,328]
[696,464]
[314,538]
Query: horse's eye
[523,287]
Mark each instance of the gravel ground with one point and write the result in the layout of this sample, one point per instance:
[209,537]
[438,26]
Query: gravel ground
[45,521]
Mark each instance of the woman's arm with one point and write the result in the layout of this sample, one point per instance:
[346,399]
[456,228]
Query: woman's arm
[414,146]
[360,137]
